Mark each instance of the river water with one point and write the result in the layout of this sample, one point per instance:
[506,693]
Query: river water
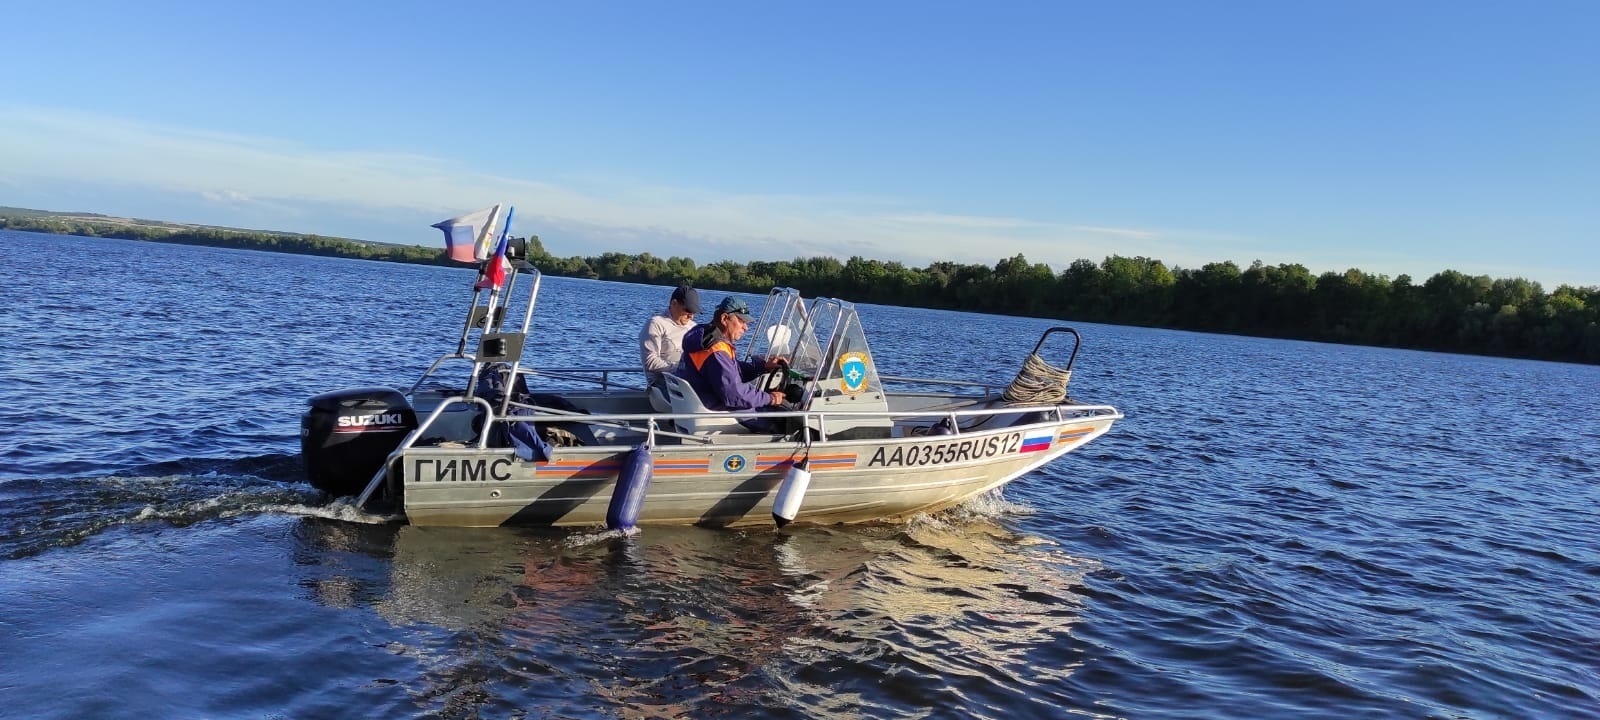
[1278,529]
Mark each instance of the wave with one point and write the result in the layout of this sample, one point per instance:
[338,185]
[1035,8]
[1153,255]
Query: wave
[40,514]
[275,467]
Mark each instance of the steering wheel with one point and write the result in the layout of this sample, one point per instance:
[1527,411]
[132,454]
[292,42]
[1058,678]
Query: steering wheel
[777,378]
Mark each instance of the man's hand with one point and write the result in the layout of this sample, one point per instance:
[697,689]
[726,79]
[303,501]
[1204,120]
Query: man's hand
[772,363]
[776,396]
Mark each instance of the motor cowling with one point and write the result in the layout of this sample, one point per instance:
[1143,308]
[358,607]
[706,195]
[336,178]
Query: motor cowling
[346,435]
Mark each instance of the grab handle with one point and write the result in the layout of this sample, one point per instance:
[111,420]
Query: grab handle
[1077,340]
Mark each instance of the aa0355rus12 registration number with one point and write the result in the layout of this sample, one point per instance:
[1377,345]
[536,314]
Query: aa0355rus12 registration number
[946,452]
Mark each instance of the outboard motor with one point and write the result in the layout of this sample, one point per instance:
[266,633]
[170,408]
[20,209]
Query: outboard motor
[347,434]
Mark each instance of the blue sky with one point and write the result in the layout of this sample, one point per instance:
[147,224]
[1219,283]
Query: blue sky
[1394,137]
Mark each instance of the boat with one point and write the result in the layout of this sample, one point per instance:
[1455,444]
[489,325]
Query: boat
[503,440]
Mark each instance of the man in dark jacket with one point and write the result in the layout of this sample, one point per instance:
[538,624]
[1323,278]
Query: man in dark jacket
[711,366]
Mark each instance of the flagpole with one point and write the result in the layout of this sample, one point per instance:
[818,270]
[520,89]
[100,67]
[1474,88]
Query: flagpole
[494,297]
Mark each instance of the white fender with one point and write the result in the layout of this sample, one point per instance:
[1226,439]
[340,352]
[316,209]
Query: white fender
[792,492]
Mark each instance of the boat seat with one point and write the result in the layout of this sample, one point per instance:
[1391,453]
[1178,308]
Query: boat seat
[658,401]
[684,401]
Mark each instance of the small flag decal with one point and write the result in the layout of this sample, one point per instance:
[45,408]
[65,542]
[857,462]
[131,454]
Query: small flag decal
[1037,440]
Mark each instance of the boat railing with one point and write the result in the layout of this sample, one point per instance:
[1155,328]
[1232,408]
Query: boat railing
[593,375]
[435,366]
[652,423]
[603,377]
[990,391]
[412,437]
[599,376]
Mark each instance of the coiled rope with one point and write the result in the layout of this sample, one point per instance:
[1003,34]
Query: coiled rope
[1037,383]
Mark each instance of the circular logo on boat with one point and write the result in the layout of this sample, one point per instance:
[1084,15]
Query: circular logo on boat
[734,463]
[852,373]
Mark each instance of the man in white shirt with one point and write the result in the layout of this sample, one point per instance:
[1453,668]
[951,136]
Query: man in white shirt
[661,340]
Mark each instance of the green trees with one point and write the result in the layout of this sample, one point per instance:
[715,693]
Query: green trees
[1450,311]
[224,238]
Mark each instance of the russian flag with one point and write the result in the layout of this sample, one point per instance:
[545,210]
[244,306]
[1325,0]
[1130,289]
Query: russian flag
[494,271]
[1037,440]
[467,237]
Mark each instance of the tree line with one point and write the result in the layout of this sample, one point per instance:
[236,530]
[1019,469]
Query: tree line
[86,226]
[1450,311]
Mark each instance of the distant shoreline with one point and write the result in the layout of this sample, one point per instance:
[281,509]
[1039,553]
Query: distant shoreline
[1450,312]
[93,225]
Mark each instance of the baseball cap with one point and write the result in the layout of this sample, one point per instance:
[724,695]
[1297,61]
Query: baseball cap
[688,298]
[735,306]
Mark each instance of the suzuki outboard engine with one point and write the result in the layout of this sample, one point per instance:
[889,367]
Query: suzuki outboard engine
[347,434]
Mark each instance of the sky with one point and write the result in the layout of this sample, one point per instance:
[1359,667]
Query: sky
[1395,137]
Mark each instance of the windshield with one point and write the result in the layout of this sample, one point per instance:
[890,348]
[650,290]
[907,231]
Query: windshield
[824,344]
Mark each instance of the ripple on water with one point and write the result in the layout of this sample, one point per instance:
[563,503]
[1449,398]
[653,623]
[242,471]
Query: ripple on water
[1278,529]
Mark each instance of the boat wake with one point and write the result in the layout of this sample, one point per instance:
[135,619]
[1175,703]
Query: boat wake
[988,506]
[39,514]
[276,467]
[342,509]
[583,540]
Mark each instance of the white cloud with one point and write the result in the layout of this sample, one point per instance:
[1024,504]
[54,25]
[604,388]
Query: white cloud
[298,181]
[278,184]
[941,220]
[1120,232]
[230,197]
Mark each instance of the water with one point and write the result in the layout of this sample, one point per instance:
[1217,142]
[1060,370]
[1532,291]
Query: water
[1278,529]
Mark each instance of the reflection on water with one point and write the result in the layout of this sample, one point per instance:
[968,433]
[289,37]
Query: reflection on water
[690,622]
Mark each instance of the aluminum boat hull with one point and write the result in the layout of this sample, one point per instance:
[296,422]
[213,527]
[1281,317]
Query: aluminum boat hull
[733,484]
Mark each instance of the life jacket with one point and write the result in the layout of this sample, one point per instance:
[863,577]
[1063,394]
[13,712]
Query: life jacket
[698,358]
